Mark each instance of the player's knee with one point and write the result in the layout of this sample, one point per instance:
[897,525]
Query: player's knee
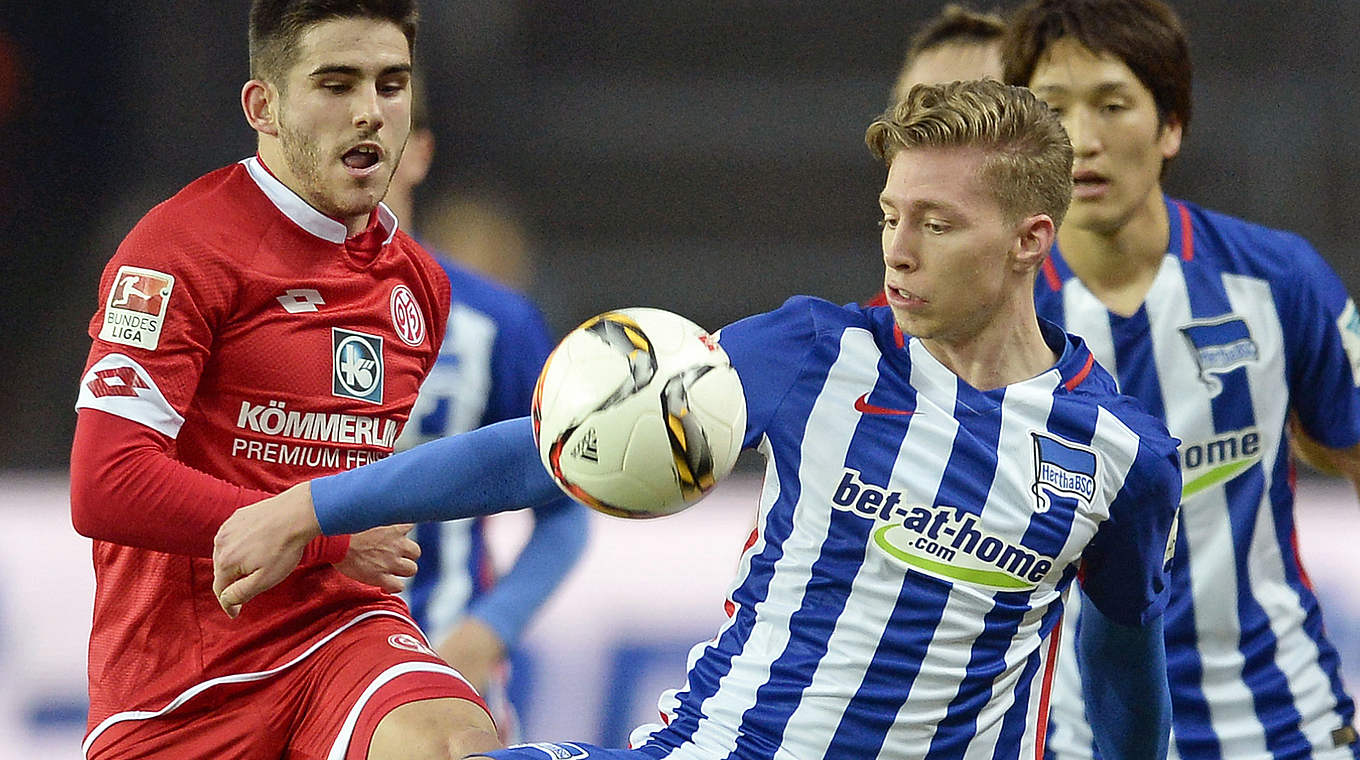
[433,729]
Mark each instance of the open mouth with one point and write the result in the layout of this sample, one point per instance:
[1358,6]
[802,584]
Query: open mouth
[361,157]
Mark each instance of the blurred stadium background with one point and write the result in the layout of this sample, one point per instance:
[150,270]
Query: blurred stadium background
[700,156]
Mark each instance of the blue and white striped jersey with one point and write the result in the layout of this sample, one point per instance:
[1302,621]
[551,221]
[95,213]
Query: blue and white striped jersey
[494,346]
[1242,325]
[915,539]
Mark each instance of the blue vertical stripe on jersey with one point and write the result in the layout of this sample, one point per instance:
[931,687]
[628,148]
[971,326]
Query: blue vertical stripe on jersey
[893,669]
[427,536]
[1233,410]
[959,727]
[1133,355]
[874,447]
[967,483]
[1017,719]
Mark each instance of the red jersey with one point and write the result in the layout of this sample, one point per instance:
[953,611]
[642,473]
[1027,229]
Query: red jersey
[264,349]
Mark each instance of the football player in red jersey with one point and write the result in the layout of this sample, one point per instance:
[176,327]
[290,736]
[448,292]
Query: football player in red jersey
[267,325]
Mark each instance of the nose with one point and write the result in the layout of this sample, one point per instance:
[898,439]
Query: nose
[1081,131]
[368,110]
[898,252]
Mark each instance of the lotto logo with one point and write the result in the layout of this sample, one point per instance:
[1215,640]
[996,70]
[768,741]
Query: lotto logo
[300,300]
[120,381]
[357,366]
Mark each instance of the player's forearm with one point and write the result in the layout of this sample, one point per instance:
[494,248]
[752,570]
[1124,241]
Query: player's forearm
[553,548]
[1123,673]
[492,469]
[126,489]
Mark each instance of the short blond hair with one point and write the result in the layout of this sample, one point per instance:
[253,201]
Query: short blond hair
[1028,160]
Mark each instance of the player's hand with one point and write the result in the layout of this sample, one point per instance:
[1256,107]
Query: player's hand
[384,557]
[259,545]
[474,650]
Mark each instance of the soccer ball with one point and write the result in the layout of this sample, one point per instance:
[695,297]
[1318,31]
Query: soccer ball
[638,413]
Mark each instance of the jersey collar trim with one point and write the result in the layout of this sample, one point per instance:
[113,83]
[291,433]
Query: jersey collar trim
[291,205]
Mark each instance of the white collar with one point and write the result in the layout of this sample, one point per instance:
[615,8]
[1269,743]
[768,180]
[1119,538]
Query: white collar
[302,214]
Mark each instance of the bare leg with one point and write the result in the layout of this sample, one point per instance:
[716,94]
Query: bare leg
[433,729]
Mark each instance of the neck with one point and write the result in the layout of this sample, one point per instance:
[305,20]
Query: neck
[1010,350]
[275,163]
[399,200]
[1119,265]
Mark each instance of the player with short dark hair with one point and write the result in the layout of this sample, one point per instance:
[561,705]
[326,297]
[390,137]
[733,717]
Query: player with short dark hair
[936,473]
[957,43]
[1225,329]
[266,325]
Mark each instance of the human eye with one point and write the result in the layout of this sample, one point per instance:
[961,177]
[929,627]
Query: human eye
[335,87]
[888,222]
[935,226]
[392,87]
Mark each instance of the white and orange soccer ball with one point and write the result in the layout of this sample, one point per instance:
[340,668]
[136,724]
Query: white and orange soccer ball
[638,413]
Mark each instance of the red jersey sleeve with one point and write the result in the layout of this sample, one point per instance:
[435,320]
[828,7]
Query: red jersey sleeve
[162,300]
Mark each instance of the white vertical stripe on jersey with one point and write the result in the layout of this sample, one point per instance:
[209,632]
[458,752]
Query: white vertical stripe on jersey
[1032,400]
[1296,654]
[769,494]
[1205,519]
[880,579]
[1081,307]
[447,605]
[826,439]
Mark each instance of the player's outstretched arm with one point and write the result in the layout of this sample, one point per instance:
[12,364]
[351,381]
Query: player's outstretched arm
[492,469]
[1123,680]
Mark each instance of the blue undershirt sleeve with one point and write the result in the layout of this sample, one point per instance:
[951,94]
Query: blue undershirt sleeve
[1123,681]
[492,469]
[557,540]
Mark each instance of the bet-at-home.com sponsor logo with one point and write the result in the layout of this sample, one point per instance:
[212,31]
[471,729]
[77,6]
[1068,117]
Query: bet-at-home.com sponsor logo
[1215,461]
[944,542]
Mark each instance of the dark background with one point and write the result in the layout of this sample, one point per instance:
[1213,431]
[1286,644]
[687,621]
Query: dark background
[703,156]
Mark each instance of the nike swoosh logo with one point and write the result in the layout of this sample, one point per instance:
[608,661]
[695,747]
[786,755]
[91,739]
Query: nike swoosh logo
[863,406]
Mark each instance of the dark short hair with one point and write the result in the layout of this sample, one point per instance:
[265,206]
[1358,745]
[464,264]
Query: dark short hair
[1146,35]
[955,23]
[277,25]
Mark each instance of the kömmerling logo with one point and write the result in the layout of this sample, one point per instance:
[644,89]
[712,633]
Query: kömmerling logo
[357,367]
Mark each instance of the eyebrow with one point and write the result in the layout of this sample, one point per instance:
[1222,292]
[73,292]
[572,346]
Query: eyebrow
[354,71]
[919,205]
[1104,88]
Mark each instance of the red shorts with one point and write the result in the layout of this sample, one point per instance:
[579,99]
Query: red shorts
[324,705]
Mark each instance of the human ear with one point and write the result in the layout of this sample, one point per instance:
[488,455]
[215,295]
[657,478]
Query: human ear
[1034,237]
[1169,137]
[258,101]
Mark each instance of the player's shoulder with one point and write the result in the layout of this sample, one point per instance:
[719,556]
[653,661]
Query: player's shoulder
[212,218]
[1087,383]
[823,317]
[1244,246]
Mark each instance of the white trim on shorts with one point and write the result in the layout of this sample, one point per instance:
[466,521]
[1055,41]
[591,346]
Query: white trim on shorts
[342,739]
[261,675]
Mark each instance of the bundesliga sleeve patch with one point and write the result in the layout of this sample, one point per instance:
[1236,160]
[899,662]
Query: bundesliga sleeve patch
[134,313]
